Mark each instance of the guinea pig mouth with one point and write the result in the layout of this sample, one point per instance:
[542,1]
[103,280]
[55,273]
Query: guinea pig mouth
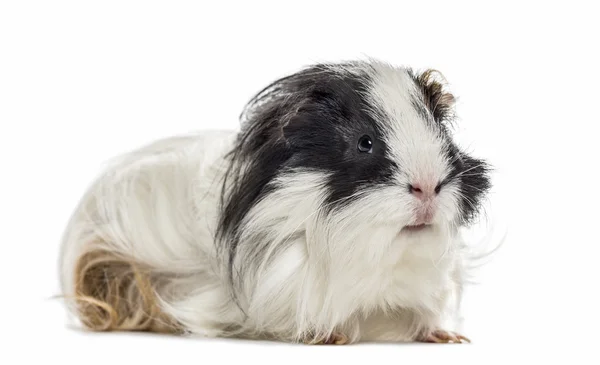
[416,227]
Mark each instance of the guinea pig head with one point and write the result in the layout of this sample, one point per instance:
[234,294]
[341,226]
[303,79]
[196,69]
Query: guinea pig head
[373,143]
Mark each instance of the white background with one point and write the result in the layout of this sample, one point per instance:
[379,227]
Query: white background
[82,81]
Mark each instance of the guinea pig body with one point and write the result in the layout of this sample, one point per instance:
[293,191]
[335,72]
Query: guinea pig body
[332,216]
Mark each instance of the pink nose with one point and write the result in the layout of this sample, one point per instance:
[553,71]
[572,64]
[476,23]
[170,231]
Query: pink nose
[424,191]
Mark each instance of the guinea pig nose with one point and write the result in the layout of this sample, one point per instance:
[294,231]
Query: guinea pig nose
[421,191]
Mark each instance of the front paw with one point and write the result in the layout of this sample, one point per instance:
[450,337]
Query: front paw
[442,336]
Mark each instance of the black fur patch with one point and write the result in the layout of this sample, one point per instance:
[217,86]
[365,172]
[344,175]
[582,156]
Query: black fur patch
[311,120]
[473,180]
[474,185]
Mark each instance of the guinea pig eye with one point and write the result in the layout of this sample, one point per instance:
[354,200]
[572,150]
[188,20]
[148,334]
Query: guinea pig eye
[365,144]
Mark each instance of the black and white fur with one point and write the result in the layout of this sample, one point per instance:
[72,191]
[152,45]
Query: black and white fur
[296,227]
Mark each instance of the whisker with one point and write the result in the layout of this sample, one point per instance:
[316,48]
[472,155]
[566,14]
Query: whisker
[470,169]
[474,187]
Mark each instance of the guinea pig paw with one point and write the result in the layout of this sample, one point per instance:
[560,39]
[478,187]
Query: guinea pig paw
[334,339]
[442,336]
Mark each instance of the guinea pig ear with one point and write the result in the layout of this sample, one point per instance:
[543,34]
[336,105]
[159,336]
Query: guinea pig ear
[436,97]
[295,123]
[295,129]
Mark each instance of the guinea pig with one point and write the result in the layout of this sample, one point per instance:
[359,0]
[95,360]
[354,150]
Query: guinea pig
[332,215]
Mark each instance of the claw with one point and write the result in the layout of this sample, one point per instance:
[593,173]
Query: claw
[441,336]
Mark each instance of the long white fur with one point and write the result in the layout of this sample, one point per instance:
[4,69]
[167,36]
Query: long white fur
[352,272]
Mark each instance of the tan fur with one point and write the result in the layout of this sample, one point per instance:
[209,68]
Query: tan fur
[113,294]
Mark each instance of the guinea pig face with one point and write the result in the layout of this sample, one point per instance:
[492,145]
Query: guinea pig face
[379,136]
[367,142]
